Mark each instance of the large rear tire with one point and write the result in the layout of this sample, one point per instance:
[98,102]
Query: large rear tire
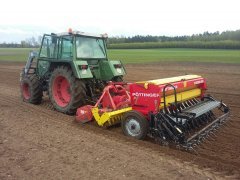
[135,125]
[31,90]
[66,92]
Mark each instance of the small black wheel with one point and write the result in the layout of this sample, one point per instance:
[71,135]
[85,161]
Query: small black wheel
[135,125]
[31,90]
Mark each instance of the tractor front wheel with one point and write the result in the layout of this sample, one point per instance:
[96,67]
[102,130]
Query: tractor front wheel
[66,92]
[31,90]
[135,125]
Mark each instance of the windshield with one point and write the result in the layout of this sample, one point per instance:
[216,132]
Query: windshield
[88,47]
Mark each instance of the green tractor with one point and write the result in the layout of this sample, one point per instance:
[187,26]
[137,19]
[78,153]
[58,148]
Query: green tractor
[72,68]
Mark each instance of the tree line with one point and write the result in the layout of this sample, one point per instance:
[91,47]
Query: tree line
[31,42]
[206,36]
[206,40]
[215,40]
[226,44]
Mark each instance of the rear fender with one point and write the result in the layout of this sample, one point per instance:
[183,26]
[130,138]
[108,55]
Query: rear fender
[111,69]
[81,69]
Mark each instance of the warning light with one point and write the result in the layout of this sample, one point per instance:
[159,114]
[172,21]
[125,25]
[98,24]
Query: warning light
[70,31]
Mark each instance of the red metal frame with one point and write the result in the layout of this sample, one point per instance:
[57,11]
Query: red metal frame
[114,97]
[141,97]
[148,99]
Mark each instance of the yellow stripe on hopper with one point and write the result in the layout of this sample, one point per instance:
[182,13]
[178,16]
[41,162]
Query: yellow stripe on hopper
[170,80]
[182,96]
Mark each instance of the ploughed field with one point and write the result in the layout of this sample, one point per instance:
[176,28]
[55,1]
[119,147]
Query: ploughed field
[38,142]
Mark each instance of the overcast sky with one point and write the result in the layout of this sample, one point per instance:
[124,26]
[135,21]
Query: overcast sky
[20,19]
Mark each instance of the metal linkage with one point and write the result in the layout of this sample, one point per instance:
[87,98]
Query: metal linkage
[205,133]
[28,66]
[189,129]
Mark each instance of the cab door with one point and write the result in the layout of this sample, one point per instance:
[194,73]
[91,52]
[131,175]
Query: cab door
[48,53]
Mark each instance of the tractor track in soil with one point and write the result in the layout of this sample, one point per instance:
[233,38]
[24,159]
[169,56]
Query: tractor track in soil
[216,158]
[108,134]
[55,118]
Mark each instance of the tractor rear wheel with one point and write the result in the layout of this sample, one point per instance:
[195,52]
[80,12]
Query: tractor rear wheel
[135,125]
[31,90]
[66,92]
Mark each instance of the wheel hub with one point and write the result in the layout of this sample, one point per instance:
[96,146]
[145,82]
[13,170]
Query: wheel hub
[133,127]
[26,91]
[61,91]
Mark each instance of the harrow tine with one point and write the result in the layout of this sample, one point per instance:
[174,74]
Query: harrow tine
[197,101]
[224,125]
[164,111]
[192,149]
[207,138]
[205,145]
[207,135]
[217,126]
[195,146]
[194,102]
[189,104]
[224,121]
[199,142]
[184,106]
[229,124]
[180,107]
[211,138]
[212,133]
[168,111]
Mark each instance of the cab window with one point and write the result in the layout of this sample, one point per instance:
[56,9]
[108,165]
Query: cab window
[49,47]
[66,47]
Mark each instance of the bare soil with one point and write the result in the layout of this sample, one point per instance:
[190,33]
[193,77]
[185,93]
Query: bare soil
[38,142]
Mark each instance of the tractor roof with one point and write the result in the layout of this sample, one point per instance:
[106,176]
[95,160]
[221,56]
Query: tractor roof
[83,34]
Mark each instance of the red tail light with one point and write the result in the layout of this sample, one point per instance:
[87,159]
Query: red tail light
[117,65]
[82,67]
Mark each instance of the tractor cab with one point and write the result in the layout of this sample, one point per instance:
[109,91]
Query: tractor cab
[72,68]
[73,47]
[85,53]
